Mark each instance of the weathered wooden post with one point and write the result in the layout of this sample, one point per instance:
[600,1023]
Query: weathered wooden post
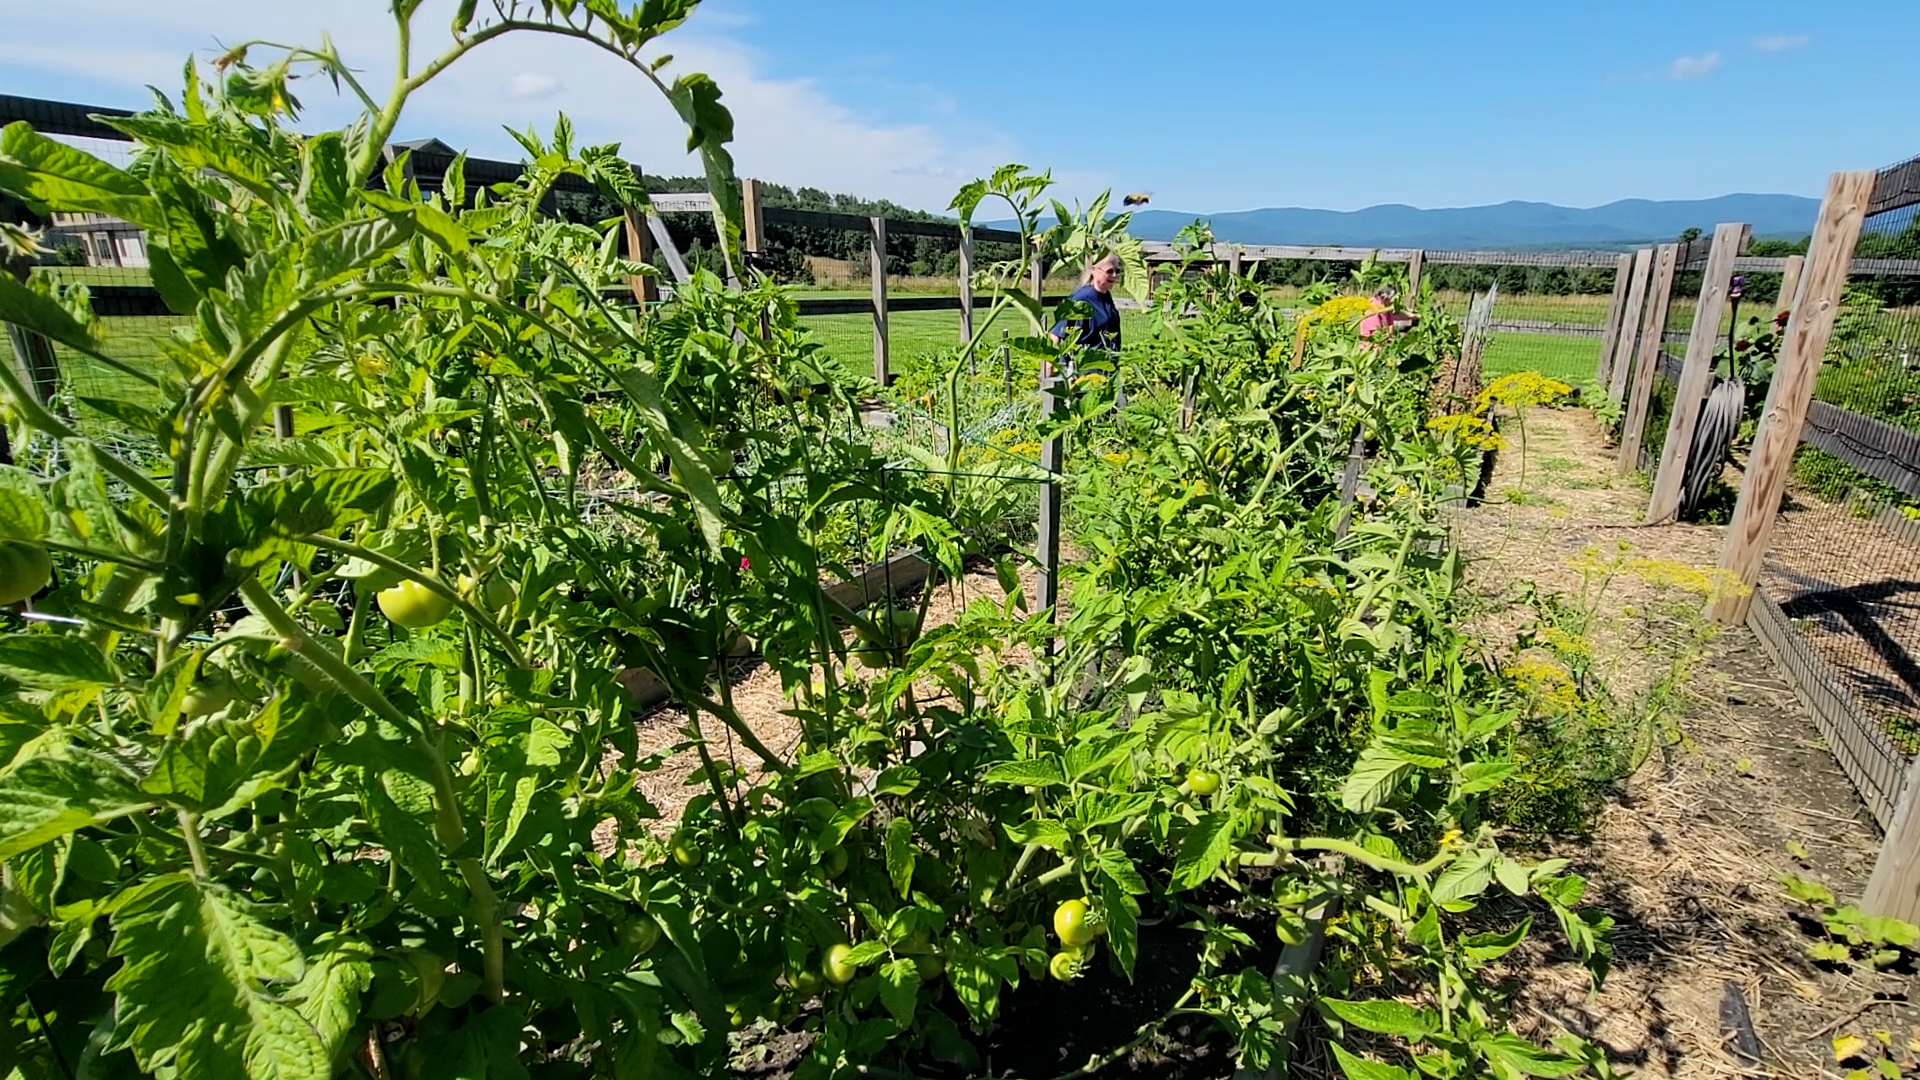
[1616,309]
[1629,339]
[878,249]
[966,287]
[1789,283]
[1416,261]
[1052,457]
[754,239]
[1653,327]
[1696,376]
[1791,395]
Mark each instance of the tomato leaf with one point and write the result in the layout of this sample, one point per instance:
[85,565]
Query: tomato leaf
[55,176]
[1375,776]
[23,506]
[54,662]
[47,798]
[1027,772]
[1204,850]
[900,855]
[1047,834]
[195,988]
[328,994]
[1465,877]
[1123,921]
[900,989]
[1526,1059]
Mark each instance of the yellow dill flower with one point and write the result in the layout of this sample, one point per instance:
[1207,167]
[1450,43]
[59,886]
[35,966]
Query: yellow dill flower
[1470,430]
[1117,457]
[1524,388]
[1028,447]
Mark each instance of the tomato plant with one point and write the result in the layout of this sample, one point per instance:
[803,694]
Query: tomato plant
[252,829]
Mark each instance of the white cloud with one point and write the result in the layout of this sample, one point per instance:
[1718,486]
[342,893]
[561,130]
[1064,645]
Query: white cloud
[1693,67]
[786,130]
[533,85]
[1780,42]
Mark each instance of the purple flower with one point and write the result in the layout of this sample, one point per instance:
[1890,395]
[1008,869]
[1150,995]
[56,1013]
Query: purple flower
[1734,287]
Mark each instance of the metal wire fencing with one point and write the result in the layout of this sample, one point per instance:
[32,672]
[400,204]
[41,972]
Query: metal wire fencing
[1844,564]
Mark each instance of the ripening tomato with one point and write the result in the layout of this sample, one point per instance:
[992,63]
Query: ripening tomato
[413,605]
[1070,922]
[25,569]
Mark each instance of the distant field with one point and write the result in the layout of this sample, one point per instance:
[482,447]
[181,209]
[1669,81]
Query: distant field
[1572,360]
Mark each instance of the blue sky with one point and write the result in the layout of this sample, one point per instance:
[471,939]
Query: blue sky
[1213,106]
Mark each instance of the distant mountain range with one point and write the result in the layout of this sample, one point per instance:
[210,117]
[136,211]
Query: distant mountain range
[1505,226]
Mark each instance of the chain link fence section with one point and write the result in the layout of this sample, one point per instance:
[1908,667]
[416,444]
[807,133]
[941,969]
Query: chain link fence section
[1843,570]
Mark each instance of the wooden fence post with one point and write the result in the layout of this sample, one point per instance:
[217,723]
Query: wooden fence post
[1629,339]
[1234,261]
[1039,282]
[1610,336]
[1789,283]
[966,284]
[755,238]
[1696,375]
[1052,457]
[1894,889]
[1822,281]
[1653,327]
[1415,260]
[878,251]
[645,289]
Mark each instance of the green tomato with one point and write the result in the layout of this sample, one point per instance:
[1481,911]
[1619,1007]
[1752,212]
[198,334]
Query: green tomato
[834,862]
[1290,928]
[836,968]
[413,605]
[930,966]
[1203,782]
[805,984]
[208,696]
[25,569]
[1065,965]
[640,934]
[1071,924]
[686,852]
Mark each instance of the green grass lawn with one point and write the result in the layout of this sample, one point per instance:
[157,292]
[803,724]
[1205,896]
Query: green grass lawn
[1572,360]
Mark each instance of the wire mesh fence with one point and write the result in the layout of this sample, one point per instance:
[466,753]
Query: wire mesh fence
[1549,311]
[1844,564]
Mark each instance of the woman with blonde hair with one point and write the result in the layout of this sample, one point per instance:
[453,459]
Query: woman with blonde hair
[1098,332]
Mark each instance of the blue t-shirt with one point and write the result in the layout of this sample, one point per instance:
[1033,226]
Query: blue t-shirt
[1102,331]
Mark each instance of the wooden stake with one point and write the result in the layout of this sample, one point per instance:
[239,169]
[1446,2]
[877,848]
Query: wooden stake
[1894,888]
[1789,283]
[1823,280]
[1416,259]
[1653,327]
[1696,375]
[878,251]
[754,237]
[1616,309]
[1623,349]
[966,284]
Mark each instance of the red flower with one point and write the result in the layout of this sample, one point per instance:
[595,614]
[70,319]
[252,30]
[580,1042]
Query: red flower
[744,562]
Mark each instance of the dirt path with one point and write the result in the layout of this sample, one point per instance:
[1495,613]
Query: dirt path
[1688,857]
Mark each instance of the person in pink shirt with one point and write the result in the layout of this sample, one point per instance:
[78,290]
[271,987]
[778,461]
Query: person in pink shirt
[1381,314]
